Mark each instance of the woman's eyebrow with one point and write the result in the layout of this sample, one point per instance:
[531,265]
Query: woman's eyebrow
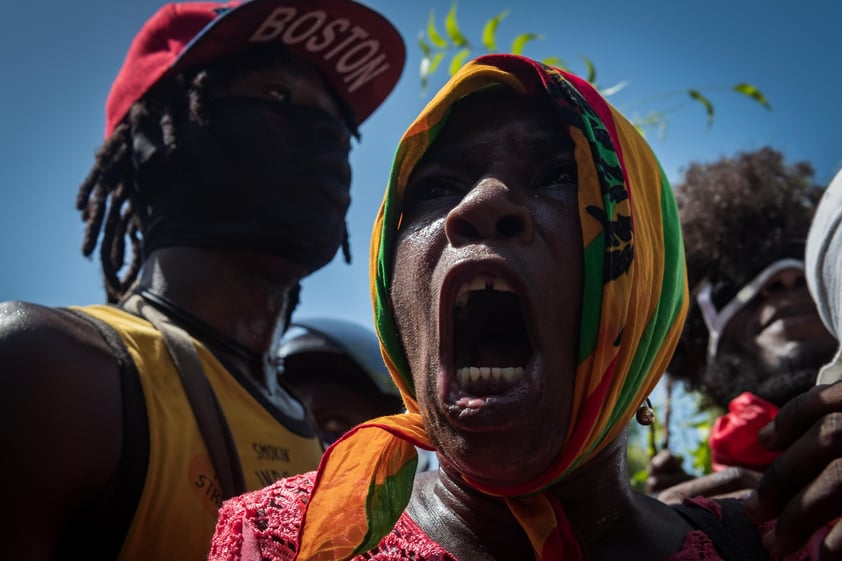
[453,156]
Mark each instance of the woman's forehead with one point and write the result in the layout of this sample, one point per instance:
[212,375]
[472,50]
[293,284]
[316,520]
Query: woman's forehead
[481,117]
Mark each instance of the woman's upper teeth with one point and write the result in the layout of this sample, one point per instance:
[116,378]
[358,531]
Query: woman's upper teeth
[481,282]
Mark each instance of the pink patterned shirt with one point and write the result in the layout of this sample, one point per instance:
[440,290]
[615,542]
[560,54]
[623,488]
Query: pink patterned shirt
[264,524]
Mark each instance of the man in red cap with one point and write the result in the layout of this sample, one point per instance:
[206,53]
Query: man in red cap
[222,182]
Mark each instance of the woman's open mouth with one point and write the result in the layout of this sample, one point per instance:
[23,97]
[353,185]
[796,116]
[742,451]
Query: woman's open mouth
[490,345]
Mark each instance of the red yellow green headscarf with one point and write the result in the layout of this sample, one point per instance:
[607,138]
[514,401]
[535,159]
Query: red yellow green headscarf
[634,304]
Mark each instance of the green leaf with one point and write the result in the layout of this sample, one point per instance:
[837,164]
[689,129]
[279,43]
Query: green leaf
[433,33]
[453,30]
[591,69]
[697,96]
[458,60]
[752,92]
[555,61]
[436,60]
[489,31]
[426,50]
[521,40]
[639,478]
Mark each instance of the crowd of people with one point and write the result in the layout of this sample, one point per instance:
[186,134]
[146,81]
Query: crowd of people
[534,275]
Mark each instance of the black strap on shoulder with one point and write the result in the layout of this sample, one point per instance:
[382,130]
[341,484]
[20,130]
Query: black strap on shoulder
[206,409]
[115,510]
[735,537]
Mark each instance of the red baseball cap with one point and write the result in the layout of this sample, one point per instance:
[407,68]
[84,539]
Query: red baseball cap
[358,52]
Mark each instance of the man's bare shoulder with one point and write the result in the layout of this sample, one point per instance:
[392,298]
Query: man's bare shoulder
[61,408]
[52,350]
[26,328]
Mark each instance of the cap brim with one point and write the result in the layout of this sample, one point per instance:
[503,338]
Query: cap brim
[359,53]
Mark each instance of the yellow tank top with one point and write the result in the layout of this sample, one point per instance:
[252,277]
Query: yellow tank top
[177,512]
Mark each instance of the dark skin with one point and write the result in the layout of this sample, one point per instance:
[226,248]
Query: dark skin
[340,403]
[730,482]
[803,487]
[506,207]
[614,521]
[778,332]
[780,329]
[60,394]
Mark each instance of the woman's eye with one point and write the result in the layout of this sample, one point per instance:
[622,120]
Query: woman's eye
[441,189]
[564,175]
[431,196]
[435,188]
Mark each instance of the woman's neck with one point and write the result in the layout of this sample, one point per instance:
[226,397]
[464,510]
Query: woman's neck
[614,521]
[470,525]
[598,496]
[611,520]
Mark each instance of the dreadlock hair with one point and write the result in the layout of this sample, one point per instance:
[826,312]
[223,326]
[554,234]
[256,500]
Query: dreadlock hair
[114,198]
[738,215]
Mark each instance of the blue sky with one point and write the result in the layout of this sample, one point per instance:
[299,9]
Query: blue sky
[58,60]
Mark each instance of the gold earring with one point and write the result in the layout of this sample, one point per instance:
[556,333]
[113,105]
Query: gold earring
[645,414]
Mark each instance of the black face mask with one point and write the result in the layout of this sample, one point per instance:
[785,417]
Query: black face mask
[261,176]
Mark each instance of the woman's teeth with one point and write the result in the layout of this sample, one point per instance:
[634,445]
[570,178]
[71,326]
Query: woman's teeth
[479,283]
[509,375]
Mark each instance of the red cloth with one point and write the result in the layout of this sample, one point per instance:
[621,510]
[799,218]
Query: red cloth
[733,437]
[264,525]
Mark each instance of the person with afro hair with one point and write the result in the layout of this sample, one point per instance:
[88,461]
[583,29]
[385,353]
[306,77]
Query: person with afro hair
[753,339]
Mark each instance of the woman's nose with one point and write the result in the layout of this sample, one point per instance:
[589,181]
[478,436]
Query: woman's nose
[490,210]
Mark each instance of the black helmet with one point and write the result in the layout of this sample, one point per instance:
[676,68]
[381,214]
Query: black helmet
[335,368]
[337,337]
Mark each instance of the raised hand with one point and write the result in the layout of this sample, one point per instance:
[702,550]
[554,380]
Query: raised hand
[803,487]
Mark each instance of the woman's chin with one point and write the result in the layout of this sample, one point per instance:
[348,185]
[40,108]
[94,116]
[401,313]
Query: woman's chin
[492,472]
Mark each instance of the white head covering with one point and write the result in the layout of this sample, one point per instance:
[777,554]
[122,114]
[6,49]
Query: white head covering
[823,264]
